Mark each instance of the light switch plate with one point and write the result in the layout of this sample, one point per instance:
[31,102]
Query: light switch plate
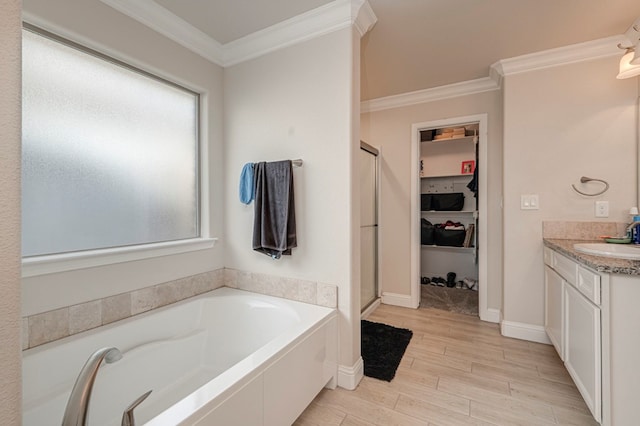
[529,202]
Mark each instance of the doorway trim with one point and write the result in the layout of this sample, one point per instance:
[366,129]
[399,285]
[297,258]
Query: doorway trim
[482,244]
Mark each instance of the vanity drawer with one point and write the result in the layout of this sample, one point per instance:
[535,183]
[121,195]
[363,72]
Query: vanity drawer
[565,267]
[589,284]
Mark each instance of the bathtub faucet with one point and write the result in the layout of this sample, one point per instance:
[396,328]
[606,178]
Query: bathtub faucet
[77,411]
[127,416]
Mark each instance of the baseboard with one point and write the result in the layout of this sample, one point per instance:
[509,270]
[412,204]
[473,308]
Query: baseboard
[395,299]
[491,315]
[519,330]
[349,377]
[372,307]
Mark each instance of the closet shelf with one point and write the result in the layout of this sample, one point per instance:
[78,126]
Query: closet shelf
[469,175]
[460,138]
[448,212]
[449,248]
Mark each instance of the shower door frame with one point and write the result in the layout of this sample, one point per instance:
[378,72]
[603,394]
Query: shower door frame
[376,301]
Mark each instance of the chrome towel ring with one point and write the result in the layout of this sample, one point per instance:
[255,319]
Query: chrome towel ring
[585,179]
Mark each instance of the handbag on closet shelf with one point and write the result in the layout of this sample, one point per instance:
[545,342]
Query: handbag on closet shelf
[446,237]
[427,233]
[449,237]
[448,201]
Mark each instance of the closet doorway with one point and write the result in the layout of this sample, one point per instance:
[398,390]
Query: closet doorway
[474,210]
[369,294]
[448,218]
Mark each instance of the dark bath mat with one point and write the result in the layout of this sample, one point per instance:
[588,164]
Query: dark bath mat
[382,349]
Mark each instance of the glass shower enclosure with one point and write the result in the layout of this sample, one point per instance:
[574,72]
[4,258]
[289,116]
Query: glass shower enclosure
[368,225]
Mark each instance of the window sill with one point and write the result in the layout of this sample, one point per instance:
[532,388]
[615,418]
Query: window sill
[42,265]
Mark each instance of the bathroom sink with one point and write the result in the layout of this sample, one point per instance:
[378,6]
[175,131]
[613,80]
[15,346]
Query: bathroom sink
[620,251]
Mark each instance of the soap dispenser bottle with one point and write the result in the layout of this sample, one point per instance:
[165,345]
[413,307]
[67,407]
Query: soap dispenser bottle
[632,233]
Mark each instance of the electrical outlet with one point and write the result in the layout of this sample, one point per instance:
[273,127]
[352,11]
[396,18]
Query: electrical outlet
[602,209]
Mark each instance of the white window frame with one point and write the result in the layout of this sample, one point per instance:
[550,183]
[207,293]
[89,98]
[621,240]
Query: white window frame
[48,264]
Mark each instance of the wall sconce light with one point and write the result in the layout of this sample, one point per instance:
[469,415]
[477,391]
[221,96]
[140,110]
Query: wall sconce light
[630,62]
[635,60]
[636,56]
[627,69]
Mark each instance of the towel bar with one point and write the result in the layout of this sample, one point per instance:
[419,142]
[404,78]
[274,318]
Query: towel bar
[585,179]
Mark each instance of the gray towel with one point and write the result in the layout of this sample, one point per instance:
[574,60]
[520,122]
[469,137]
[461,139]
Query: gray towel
[274,223]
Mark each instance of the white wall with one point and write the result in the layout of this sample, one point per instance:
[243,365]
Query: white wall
[560,124]
[390,130]
[93,23]
[10,348]
[298,103]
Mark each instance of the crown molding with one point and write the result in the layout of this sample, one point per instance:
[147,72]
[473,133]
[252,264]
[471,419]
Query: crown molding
[579,52]
[331,17]
[323,20]
[156,17]
[565,55]
[365,18]
[448,91]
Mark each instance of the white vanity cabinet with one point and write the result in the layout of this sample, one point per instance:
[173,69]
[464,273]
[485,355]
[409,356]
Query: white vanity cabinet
[593,320]
[554,297]
[582,356]
[573,323]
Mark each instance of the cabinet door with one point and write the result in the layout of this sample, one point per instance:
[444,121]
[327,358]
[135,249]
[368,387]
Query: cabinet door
[553,296]
[582,347]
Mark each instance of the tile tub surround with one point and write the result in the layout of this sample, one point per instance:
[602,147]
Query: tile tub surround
[60,323]
[312,292]
[53,325]
[607,265]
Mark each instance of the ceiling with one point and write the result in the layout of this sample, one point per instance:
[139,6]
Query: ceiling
[228,20]
[419,44]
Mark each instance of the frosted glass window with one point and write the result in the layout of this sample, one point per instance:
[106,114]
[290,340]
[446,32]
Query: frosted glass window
[109,154]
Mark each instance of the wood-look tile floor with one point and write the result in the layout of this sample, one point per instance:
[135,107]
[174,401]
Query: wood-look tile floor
[457,370]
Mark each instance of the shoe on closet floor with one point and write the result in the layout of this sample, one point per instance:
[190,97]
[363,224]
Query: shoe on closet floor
[451,279]
[439,281]
[470,283]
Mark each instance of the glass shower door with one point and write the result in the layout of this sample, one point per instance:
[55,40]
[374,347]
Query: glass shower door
[368,225]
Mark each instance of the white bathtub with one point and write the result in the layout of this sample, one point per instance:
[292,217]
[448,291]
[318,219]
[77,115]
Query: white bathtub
[228,357]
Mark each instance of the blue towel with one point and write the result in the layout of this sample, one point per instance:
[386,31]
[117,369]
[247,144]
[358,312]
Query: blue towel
[247,192]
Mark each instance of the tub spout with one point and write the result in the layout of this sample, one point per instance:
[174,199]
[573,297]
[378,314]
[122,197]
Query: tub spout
[77,411]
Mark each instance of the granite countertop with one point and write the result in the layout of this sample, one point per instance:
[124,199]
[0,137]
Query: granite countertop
[607,265]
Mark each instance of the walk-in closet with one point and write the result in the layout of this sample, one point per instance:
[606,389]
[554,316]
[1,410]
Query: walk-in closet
[449,217]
